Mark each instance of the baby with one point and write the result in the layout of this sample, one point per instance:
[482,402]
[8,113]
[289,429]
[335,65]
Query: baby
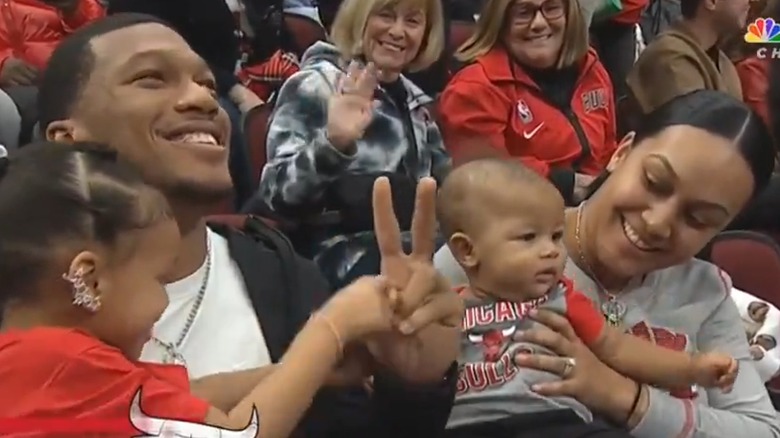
[505,224]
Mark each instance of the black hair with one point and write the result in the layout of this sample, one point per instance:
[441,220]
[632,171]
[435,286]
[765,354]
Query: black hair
[718,114]
[54,194]
[688,8]
[71,65]
[471,183]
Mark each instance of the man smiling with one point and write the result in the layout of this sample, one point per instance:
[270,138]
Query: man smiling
[132,82]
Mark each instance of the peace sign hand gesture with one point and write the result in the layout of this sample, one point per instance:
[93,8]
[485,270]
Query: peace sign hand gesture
[430,312]
[351,108]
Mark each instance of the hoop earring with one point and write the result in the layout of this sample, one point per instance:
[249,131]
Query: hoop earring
[82,295]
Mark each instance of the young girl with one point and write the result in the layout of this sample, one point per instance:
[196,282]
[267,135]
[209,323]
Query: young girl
[84,249]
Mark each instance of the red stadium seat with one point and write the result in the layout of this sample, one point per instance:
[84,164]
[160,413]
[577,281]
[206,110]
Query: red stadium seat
[752,260]
[304,31]
[255,132]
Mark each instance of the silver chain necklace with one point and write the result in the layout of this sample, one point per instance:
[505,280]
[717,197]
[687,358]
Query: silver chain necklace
[613,309]
[172,354]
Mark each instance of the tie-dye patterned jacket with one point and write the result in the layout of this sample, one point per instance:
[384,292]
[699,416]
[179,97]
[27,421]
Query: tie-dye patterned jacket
[301,161]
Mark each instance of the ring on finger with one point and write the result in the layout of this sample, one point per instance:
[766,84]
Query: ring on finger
[568,366]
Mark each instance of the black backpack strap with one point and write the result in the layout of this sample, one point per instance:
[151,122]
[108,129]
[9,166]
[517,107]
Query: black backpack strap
[277,241]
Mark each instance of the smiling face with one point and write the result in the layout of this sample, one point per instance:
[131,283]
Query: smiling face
[393,36]
[535,30]
[663,201]
[152,98]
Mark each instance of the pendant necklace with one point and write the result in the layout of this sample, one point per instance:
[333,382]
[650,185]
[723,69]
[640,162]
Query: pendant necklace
[172,350]
[613,309]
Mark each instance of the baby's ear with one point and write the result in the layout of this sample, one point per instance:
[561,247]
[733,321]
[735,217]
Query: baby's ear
[463,250]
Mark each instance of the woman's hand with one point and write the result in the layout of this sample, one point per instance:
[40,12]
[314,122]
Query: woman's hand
[585,378]
[351,108]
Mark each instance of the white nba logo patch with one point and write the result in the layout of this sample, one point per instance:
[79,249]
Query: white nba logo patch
[524,112]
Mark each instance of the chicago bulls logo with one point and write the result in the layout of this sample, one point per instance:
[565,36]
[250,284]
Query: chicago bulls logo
[165,428]
[667,339]
[494,342]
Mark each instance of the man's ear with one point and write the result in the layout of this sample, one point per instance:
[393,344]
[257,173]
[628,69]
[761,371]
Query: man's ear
[463,250]
[65,131]
[710,5]
[620,154]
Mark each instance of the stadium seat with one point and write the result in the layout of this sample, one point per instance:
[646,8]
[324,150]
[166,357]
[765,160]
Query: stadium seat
[752,260]
[255,131]
[304,31]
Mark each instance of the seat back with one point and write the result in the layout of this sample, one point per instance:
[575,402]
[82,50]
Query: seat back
[752,260]
[460,31]
[304,32]
[255,132]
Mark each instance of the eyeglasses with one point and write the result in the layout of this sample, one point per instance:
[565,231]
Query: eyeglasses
[524,13]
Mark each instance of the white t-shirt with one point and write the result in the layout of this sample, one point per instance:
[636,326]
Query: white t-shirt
[225,334]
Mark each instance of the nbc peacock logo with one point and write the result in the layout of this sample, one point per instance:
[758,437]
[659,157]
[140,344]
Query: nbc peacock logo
[763,31]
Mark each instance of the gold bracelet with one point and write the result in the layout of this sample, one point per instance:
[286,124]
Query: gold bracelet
[642,391]
[333,330]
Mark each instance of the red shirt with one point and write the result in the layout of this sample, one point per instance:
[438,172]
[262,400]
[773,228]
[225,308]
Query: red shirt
[494,104]
[67,374]
[754,77]
[631,12]
[587,322]
[31,29]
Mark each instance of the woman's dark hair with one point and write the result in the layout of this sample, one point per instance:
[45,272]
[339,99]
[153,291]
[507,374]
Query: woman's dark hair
[53,194]
[718,114]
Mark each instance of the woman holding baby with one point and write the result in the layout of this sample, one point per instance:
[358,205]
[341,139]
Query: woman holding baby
[669,188]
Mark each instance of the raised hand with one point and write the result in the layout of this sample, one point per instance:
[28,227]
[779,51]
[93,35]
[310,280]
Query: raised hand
[351,108]
[429,312]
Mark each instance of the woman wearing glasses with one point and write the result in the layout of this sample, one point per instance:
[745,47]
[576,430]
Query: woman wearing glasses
[535,90]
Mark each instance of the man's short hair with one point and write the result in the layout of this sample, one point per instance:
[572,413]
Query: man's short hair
[688,8]
[71,65]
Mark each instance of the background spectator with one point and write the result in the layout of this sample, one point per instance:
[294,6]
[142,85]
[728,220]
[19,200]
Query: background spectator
[687,57]
[534,91]
[615,41]
[29,32]
[334,131]
[753,71]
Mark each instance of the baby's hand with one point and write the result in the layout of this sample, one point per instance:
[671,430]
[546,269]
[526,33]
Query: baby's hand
[715,370]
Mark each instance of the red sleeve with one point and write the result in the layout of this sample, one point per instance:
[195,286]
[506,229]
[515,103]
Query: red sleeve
[101,383]
[86,12]
[753,77]
[581,312]
[473,118]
